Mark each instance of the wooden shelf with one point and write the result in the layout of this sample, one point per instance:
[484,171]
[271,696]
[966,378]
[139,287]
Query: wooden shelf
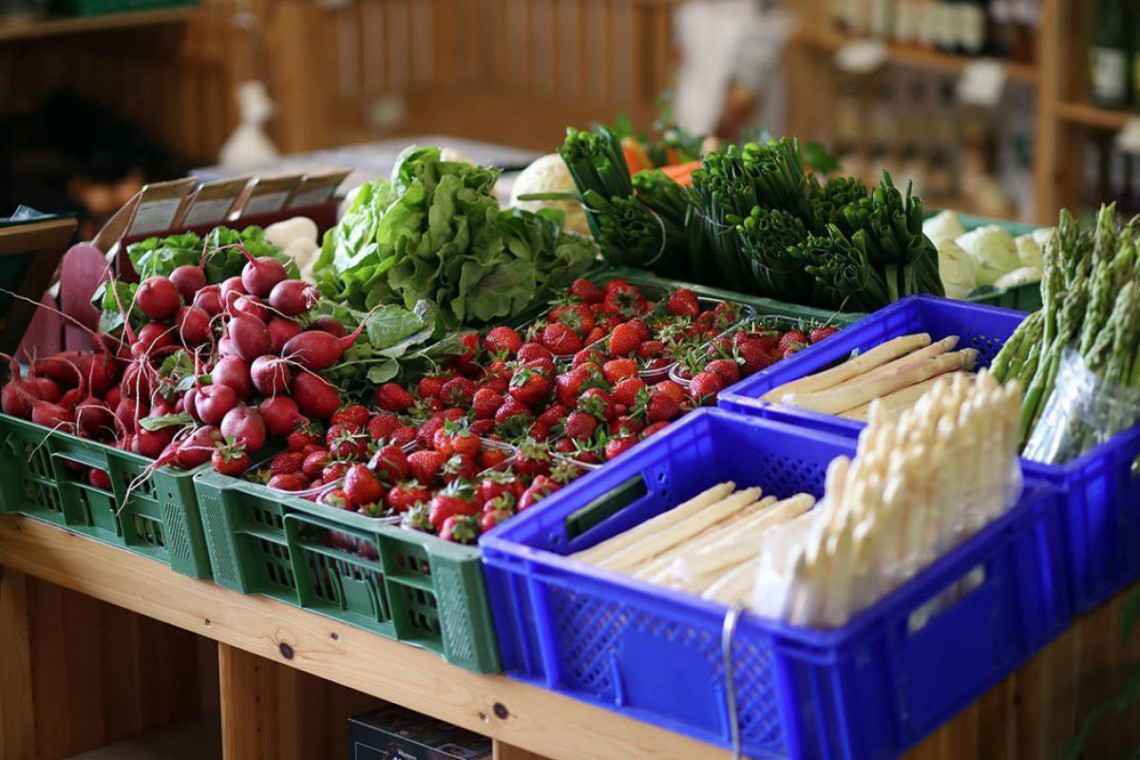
[916,57]
[54,27]
[1092,116]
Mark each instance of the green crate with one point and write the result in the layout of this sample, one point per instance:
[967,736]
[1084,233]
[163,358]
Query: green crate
[101,7]
[159,520]
[416,589]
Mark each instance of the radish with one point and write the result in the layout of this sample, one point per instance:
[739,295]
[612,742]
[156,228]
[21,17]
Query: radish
[101,372]
[252,306]
[214,402]
[280,331]
[209,299]
[189,279]
[329,325]
[46,389]
[315,397]
[316,350]
[51,415]
[249,336]
[17,398]
[94,419]
[190,404]
[129,412]
[152,443]
[153,337]
[245,426]
[112,397]
[198,447]
[231,290]
[137,381]
[226,347]
[280,414]
[193,325]
[271,375]
[62,369]
[233,371]
[100,479]
[157,298]
[293,297]
[261,274]
[161,408]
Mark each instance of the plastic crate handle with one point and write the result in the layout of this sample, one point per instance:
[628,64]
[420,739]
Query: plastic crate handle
[296,521]
[605,506]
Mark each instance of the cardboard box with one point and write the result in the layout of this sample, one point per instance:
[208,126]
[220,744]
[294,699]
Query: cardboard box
[393,733]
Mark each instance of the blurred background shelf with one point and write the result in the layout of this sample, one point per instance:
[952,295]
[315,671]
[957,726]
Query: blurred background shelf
[55,27]
[1092,116]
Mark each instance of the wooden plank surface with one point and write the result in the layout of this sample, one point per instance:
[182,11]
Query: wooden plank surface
[17,714]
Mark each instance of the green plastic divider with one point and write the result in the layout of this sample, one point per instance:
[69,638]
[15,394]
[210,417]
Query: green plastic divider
[42,475]
[100,7]
[402,584]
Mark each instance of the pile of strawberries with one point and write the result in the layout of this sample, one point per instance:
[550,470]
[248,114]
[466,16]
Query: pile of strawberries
[739,353]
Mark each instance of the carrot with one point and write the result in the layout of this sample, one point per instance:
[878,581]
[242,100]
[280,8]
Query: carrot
[636,159]
[682,174]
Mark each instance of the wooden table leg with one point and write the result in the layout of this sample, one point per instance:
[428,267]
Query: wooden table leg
[17,710]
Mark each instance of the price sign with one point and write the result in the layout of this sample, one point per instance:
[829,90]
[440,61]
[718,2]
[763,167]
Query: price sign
[982,83]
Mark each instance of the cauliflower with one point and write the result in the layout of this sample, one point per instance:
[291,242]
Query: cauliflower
[993,250]
[549,174]
[956,268]
[945,224]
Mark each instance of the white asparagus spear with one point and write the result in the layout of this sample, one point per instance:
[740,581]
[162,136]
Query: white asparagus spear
[865,362]
[929,352]
[894,404]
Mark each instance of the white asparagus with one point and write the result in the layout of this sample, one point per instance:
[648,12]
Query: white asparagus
[865,362]
[661,522]
[937,348]
[894,404]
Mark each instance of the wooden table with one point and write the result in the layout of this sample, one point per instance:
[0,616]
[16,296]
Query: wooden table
[75,672]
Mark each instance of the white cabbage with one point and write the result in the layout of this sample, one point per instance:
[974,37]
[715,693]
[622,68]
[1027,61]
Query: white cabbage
[956,268]
[1022,276]
[549,174]
[1029,250]
[944,224]
[993,250]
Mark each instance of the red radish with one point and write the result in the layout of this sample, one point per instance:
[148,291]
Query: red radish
[316,350]
[226,347]
[112,397]
[293,297]
[153,338]
[231,290]
[94,419]
[189,279]
[193,326]
[151,443]
[161,408]
[46,389]
[250,337]
[137,381]
[99,479]
[209,299]
[17,397]
[62,369]
[271,375]
[101,373]
[157,298]
[280,414]
[190,405]
[214,402]
[51,415]
[280,331]
[252,306]
[329,325]
[129,412]
[198,447]
[234,372]
[245,426]
[315,397]
[261,274]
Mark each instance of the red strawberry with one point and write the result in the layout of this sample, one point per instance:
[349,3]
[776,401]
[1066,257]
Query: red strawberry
[532,458]
[790,339]
[430,386]
[618,446]
[673,389]
[569,385]
[586,291]
[503,341]
[354,416]
[464,362]
[561,339]
[542,487]
[643,331]
[539,431]
[619,369]
[491,456]
[462,529]
[346,444]
[335,498]
[623,299]
[822,333]
[304,434]
[595,335]
[382,426]
[728,370]
[661,407]
[287,463]
[458,391]
[425,465]
[314,464]
[230,458]
[577,317]
[404,496]
[334,471]
[532,350]
[705,386]
[361,486]
[589,354]
[513,413]
[580,426]
[626,391]
[598,403]
[453,500]
[567,445]
[651,349]
[403,435]
[485,403]
[624,340]
[494,484]
[489,520]
[390,464]
[460,467]
[288,482]
[656,427]
[753,358]
[391,397]
[684,303]
[628,425]
[482,428]
[529,386]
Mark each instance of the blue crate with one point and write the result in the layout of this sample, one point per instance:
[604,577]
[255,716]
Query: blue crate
[1100,504]
[869,689]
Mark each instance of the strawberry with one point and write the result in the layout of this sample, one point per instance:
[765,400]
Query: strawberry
[580,426]
[502,341]
[304,434]
[656,427]
[417,518]
[539,431]
[822,333]
[382,426]
[361,486]
[567,445]
[624,340]
[391,397]
[230,458]
[344,444]
[569,385]
[425,465]
[595,335]
[513,415]
[482,428]
[561,339]
[728,370]
[403,435]
[542,487]
[333,471]
[335,498]
[491,456]
[462,529]
[532,350]
[642,329]
[577,317]
[405,496]
[619,369]
[466,442]
[425,434]
[553,415]
[622,299]
[683,303]
[661,407]
[455,499]
[529,386]
[390,464]
[489,520]
[651,349]
[354,416]
[589,354]
[430,386]
[494,484]
[705,386]
[754,358]
[464,362]
[532,458]
[628,425]
[598,403]
[290,481]
[586,291]
[287,463]
[768,340]
[618,446]
[314,464]
[458,391]
[459,467]
[485,403]
[542,365]
[625,392]
[673,389]
[790,339]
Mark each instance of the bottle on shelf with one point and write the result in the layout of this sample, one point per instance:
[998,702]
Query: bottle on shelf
[970,17]
[1108,56]
[946,37]
[882,18]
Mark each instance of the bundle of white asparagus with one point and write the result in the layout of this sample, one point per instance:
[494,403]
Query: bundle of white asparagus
[918,486]
[898,372]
